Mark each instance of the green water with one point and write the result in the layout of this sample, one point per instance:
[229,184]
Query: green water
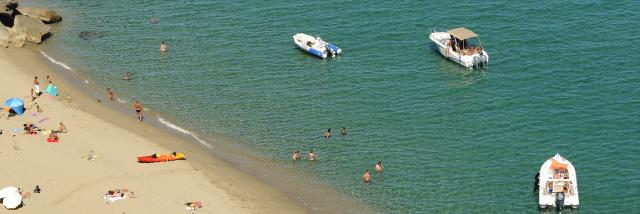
[562,78]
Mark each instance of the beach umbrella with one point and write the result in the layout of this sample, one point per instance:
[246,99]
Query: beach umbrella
[11,197]
[52,90]
[16,105]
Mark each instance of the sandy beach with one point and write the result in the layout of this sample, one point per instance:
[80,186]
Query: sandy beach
[73,184]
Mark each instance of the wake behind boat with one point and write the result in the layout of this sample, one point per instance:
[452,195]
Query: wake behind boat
[316,46]
[460,45]
[558,185]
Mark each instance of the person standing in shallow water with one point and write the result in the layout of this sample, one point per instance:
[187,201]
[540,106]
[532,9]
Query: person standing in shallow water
[312,156]
[379,167]
[296,156]
[138,108]
[343,131]
[111,96]
[327,134]
[163,47]
[366,177]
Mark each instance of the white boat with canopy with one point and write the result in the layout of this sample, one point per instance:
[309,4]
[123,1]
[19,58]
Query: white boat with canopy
[558,184]
[460,45]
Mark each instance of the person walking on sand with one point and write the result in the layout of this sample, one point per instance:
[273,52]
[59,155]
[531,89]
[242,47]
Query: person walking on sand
[111,96]
[36,85]
[163,47]
[138,108]
[296,156]
[366,177]
[379,167]
[327,134]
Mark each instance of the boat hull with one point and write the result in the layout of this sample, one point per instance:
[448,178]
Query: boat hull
[556,174]
[315,46]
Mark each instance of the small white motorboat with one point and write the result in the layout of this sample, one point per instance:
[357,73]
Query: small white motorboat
[558,184]
[460,45]
[315,46]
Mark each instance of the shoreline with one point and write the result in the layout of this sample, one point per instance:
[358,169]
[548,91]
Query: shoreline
[255,196]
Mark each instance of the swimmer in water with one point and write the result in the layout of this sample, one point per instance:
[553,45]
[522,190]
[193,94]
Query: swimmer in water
[155,20]
[343,131]
[327,134]
[296,156]
[312,156]
[163,47]
[127,76]
[366,177]
[379,167]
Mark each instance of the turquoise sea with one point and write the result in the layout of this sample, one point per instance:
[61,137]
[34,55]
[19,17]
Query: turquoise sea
[562,78]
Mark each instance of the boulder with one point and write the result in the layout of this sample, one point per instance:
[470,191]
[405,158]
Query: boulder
[9,37]
[33,29]
[7,10]
[45,14]
[5,37]
[9,4]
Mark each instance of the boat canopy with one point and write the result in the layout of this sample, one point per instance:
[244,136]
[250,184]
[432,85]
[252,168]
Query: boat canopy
[462,33]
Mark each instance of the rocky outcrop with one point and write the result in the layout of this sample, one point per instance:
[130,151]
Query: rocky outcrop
[33,29]
[10,38]
[20,25]
[46,15]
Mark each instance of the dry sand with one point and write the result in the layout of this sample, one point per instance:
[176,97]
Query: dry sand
[71,184]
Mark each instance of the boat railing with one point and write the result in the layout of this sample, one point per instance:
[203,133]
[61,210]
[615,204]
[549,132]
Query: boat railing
[437,29]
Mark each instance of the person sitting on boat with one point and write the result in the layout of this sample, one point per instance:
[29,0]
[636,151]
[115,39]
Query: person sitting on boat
[155,155]
[174,154]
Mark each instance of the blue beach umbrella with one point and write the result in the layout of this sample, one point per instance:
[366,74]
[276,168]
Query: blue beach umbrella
[52,90]
[16,105]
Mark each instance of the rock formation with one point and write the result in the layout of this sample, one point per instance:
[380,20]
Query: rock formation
[20,25]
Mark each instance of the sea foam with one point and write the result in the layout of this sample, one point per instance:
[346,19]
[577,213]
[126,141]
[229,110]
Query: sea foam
[54,61]
[184,131]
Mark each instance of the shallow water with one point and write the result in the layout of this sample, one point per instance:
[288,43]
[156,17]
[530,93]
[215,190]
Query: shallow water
[562,78]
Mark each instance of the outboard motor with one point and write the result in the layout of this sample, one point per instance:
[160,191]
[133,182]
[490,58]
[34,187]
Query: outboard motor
[334,50]
[559,201]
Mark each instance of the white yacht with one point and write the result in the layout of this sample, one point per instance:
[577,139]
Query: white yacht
[461,46]
[558,184]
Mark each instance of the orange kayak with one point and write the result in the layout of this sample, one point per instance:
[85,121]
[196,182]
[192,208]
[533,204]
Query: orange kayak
[161,158]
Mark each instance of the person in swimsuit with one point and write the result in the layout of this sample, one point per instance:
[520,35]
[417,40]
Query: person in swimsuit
[343,131]
[36,86]
[366,177]
[163,47]
[312,156]
[138,108]
[62,128]
[379,167]
[327,134]
[296,156]
[111,96]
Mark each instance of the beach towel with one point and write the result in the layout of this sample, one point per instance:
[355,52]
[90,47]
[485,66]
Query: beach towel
[52,140]
[46,132]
